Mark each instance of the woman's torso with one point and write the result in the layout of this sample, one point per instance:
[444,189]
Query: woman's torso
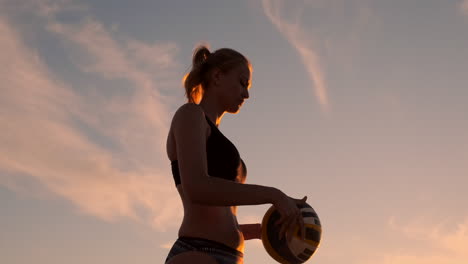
[218,223]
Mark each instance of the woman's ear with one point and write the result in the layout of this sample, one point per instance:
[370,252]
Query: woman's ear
[216,76]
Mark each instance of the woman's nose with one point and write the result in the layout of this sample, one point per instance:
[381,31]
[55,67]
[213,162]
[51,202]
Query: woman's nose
[245,94]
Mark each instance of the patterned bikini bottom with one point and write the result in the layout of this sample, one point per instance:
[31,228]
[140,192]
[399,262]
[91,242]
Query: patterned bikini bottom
[223,254]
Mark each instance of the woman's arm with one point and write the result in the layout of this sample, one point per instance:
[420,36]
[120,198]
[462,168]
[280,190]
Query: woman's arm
[221,192]
[251,231]
[190,133]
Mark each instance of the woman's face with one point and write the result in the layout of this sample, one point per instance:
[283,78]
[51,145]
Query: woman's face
[234,87]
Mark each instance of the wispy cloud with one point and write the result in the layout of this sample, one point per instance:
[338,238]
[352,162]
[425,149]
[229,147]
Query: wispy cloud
[448,242]
[326,34]
[167,245]
[302,42]
[463,6]
[53,131]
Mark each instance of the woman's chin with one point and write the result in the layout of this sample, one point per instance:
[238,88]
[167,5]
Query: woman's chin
[234,109]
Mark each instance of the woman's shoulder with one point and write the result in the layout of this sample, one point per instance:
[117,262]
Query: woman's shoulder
[188,114]
[189,107]
[188,110]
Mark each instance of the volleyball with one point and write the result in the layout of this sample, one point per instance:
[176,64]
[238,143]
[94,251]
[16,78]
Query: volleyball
[297,251]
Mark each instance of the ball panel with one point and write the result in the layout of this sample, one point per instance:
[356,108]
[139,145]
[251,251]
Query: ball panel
[312,235]
[301,249]
[303,257]
[297,245]
[309,214]
[314,226]
[306,254]
[309,220]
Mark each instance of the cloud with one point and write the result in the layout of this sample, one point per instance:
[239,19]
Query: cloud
[327,35]
[167,245]
[447,242]
[463,6]
[102,149]
[303,43]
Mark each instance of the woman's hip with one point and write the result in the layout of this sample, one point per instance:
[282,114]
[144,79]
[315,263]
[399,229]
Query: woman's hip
[223,253]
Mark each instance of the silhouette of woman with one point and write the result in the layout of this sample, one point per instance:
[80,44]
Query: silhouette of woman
[207,168]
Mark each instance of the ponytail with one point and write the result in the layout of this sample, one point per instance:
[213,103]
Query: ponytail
[194,79]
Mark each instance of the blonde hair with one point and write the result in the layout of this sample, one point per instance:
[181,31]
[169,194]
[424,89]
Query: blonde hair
[203,62]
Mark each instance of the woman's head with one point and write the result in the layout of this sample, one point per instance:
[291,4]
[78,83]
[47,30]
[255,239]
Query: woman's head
[224,74]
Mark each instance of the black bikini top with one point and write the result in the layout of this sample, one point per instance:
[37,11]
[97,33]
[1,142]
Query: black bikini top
[223,158]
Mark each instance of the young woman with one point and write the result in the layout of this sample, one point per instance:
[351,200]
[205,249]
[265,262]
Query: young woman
[208,171]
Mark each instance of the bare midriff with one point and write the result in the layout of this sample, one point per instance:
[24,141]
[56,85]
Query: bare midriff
[217,223]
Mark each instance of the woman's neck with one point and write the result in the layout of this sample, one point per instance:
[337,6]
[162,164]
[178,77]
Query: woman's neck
[212,110]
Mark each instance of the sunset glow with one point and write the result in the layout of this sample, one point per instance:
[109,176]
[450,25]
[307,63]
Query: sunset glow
[361,105]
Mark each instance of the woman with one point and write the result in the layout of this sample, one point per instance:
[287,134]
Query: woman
[208,171]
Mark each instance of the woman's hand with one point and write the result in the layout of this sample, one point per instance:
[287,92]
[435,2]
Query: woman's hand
[290,215]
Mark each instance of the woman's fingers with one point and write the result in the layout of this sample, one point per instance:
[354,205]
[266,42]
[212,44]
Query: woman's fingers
[283,223]
[292,228]
[282,227]
[288,225]
[281,220]
[289,220]
[285,226]
[300,223]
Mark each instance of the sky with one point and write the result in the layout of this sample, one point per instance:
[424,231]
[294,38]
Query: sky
[358,104]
